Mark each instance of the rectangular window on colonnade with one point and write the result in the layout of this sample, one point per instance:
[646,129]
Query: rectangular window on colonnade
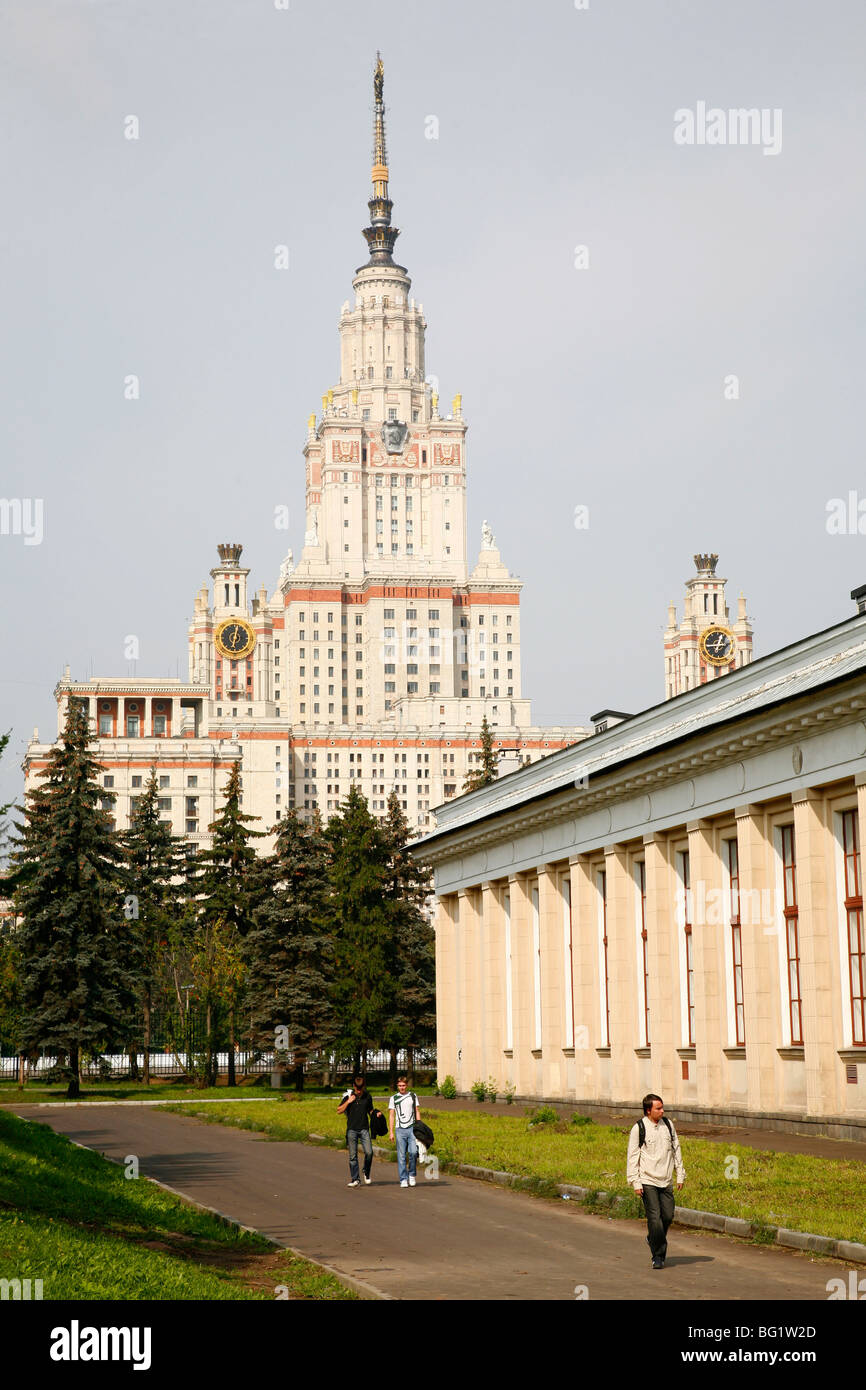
[643,967]
[604,983]
[852,936]
[686,957]
[788,924]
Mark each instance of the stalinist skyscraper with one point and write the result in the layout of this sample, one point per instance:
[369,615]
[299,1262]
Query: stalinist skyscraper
[376,656]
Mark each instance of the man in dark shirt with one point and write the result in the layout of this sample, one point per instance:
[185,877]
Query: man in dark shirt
[357,1106]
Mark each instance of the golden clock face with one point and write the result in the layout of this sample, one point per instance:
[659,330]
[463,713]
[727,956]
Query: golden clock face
[718,645]
[234,638]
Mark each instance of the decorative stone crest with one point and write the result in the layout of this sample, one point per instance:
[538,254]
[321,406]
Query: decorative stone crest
[394,436]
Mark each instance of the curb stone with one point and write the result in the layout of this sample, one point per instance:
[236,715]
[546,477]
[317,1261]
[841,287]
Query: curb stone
[851,1250]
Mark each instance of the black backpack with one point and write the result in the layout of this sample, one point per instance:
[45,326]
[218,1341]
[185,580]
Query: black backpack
[423,1132]
[641,1131]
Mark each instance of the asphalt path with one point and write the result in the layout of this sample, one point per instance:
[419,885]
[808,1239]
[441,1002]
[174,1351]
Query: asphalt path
[451,1239]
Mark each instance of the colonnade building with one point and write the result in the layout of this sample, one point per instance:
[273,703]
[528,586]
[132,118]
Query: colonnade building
[673,905]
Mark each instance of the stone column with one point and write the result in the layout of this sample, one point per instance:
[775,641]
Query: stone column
[760,951]
[493,977]
[818,936]
[622,974]
[662,966]
[446,987]
[521,985]
[474,985]
[552,978]
[584,940]
[461,1031]
[708,958]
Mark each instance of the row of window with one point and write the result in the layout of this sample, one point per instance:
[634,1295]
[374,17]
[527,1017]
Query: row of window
[164,780]
[855,944]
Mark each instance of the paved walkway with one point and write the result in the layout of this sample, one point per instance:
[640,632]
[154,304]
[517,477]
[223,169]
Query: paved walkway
[454,1239]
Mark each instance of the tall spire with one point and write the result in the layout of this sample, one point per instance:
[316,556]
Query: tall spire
[380,235]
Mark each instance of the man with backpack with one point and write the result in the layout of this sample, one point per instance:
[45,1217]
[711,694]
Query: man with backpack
[653,1153]
[357,1106]
[403,1111]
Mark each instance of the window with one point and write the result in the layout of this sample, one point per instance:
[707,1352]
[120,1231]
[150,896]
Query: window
[108,780]
[392,412]
[641,888]
[567,963]
[135,782]
[732,860]
[686,909]
[854,919]
[164,803]
[105,723]
[792,935]
[601,884]
[132,726]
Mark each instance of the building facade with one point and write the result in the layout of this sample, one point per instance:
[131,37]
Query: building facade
[380,651]
[673,905]
[706,644]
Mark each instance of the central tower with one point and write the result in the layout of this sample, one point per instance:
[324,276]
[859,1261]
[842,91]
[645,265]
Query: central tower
[385,475]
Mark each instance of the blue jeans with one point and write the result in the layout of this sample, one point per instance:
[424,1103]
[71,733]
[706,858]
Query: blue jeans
[352,1137]
[406,1140]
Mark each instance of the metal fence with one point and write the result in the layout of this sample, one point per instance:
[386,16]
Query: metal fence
[183,1062]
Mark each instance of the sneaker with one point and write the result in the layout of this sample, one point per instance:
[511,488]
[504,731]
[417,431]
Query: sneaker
[367,1180]
[353,1183]
[658,1264]
[404,1183]
[411,1182]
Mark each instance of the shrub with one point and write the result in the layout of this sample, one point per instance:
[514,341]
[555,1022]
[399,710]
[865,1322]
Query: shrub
[581,1119]
[544,1115]
[492,1089]
[448,1088]
[508,1092]
[479,1090]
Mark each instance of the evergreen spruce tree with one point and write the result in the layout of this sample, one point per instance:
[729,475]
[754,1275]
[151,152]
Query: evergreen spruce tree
[154,862]
[78,971]
[226,883]
[289,951]
[364,984]
[488,770]
[413,1021]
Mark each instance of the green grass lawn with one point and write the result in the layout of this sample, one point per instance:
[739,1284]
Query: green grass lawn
[73,1220]
[819,1195]
[34,1093]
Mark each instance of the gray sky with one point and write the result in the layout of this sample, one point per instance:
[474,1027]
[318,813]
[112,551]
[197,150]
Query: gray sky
[601,387]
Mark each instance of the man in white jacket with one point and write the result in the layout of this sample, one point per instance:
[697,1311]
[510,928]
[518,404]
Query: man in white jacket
[653,1153]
